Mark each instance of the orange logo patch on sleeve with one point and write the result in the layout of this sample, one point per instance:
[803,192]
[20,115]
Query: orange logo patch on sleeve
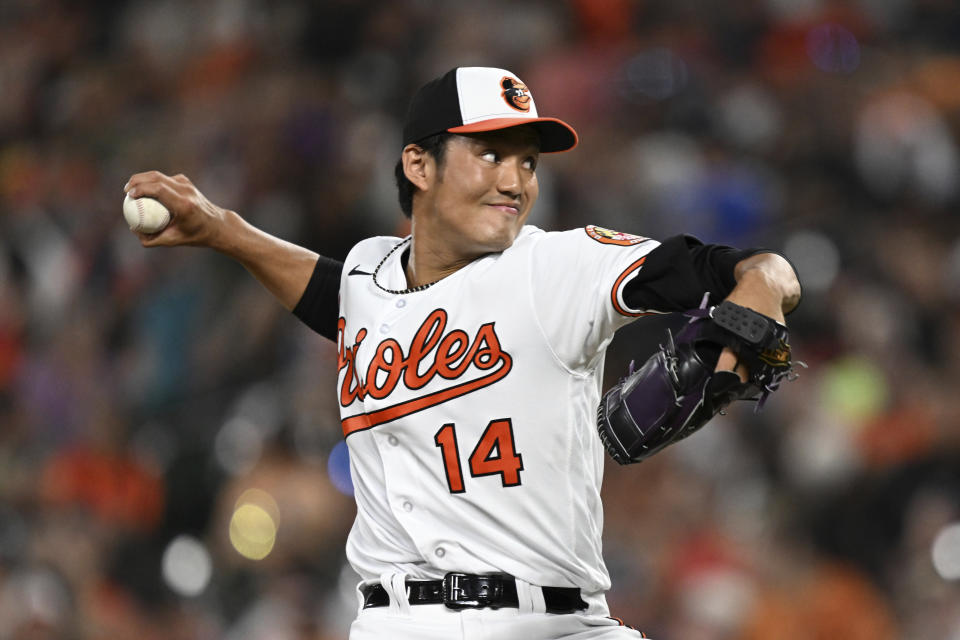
[608,236]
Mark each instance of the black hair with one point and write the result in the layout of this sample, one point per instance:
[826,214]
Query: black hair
[436,146]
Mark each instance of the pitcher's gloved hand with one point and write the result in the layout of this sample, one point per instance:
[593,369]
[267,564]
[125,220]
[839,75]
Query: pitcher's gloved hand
[677,391]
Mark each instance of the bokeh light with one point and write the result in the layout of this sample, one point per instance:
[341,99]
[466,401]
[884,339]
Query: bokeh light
[854,389]
[749,117]
[338,467]
[656,74]
[946,552]
[833,48]
[252,532]
[186,566]
[254,524]
[819,451]
[41,596]
[815,257]
[238,445]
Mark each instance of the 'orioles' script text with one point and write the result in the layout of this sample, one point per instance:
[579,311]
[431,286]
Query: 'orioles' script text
[432,352]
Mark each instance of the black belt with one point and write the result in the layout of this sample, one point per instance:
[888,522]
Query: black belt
[466,591]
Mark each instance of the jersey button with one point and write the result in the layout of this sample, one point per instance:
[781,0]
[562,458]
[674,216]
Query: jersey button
[393,440]
[401,303]
[408,506]
[440,552]
[384,328]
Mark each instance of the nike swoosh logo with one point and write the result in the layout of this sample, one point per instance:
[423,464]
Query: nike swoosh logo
[363,421]
[356,272]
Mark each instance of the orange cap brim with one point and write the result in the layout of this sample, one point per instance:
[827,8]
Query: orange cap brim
[555,135]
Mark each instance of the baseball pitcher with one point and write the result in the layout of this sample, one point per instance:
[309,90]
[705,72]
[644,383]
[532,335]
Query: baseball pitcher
[470,364]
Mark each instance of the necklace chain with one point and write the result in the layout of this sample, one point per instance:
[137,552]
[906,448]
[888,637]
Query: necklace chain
[419,287]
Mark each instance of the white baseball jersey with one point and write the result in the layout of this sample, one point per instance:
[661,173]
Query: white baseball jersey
[469,408]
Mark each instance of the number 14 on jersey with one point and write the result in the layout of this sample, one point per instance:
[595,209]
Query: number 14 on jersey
[494,454]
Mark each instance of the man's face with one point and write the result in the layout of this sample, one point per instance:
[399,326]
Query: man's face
[477,202]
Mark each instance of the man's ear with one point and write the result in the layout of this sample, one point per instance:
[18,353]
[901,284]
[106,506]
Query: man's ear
[418,165]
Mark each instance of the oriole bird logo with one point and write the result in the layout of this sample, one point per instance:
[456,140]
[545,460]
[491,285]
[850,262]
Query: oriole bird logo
[515,93]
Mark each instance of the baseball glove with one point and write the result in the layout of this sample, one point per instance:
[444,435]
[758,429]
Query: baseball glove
[677,391]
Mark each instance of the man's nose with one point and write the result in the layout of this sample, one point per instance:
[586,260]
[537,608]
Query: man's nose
[510,179]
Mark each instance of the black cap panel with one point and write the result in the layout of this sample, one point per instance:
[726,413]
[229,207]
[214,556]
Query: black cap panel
[434,109]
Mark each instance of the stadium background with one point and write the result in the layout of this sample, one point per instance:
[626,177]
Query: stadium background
[163,422]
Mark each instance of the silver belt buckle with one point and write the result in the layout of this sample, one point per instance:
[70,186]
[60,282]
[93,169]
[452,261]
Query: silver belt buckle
[456,596]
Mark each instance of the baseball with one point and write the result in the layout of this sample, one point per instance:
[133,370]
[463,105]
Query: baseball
[145,215]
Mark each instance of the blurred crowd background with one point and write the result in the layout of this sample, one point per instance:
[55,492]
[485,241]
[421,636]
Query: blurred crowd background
[171,461]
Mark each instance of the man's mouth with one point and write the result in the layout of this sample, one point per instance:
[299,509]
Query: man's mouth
[507,207]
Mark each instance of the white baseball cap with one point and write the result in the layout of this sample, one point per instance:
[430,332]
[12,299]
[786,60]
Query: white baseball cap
[474,99]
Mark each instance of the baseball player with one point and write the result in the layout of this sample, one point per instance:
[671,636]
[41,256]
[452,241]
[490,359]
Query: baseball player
[470,363]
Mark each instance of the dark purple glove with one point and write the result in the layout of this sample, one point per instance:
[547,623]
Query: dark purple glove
[677,391]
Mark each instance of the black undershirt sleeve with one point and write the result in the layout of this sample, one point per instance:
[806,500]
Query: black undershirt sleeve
[676,274]
[319,306]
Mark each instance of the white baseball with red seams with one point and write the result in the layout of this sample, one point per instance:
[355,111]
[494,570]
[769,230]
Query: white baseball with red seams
[145,215]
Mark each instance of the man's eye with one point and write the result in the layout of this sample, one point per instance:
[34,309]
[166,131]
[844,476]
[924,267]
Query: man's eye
[489,156]
[530,164]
